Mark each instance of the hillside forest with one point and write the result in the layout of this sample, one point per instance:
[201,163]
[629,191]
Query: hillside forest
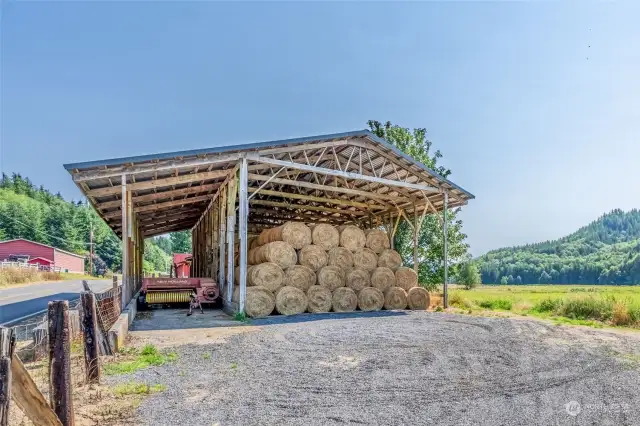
[606,251]
[34,213]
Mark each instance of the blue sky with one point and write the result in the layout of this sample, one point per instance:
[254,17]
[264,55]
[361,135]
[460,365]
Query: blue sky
[535,106]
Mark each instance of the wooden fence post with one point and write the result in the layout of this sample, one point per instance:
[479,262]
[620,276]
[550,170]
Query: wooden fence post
[115,281]
[7,347]
[90,327]
[60,362]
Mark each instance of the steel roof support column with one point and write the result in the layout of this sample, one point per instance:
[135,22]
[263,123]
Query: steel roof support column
[243,216]
[445,248]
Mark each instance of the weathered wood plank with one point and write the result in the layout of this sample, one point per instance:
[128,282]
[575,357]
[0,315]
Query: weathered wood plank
[90,330]
[60,391]
[337,201]
[162,195]
[306,207]
[28,398]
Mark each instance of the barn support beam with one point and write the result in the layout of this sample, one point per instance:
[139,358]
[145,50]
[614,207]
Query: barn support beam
[125,243]
[232,191]
[242,229]
[445,250]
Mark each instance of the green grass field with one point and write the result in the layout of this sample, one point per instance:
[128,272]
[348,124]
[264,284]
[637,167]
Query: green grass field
[586,305]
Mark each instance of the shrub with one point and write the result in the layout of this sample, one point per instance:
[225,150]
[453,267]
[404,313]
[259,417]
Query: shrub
[500,304]
[547,305]
[587,308]
[620,314]
[456,299]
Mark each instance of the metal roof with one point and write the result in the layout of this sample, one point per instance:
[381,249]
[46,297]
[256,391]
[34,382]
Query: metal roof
[171,190]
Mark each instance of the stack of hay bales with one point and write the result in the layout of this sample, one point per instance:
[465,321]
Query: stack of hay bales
[296,268]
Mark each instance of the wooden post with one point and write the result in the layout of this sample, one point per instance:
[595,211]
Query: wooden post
[125,242]
[232,190]
[242,229]
[445,248]
[115,282]
[222,232]
[28,397]
[7,347]
[60,362]
[90,326]
[415,240]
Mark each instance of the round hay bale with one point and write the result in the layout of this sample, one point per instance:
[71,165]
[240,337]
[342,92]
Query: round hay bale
[299,276]
[340,257]
[253,243]
[365,258]
[352,237]
[268,275]
[331,277]
[295,233]
[291,300]
[325,236]
[383,278]
[406,278]
[344,300]
[418,299]
[278,252]
[319,299]
[358,278]
[313,257]
[389,259]
[370,299]
[377,240]
[259,302]
[395,298]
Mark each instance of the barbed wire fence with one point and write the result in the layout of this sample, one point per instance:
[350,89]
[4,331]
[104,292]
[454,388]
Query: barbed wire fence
[32,347]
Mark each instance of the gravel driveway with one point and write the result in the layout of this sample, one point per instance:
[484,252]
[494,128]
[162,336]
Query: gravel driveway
[400,368]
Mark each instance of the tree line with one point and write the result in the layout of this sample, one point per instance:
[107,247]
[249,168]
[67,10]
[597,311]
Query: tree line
[36,214]
[607,251]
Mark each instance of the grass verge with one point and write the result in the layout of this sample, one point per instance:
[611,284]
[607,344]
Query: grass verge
[135,360]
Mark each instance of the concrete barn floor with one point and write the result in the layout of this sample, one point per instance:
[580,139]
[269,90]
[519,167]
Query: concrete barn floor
[390,368]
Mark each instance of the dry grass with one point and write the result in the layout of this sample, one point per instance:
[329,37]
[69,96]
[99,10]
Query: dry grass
[15,277]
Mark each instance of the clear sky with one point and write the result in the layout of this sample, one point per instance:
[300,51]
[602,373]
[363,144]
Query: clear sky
[535,106]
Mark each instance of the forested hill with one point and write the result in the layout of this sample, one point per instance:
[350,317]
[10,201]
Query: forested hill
[607,251]
[34,213]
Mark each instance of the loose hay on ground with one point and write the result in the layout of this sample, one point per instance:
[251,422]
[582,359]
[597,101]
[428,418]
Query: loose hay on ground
[383,278]
[406,278]
[377,240]
[370,299]
[299,276]
[358,278]
[395,298]
[418,298]
[352,237]
[340,257]
[319,299]
[331,277]
[344,300]
[389,259]
[291,300]
[313,256]
[325,236]
[365,258]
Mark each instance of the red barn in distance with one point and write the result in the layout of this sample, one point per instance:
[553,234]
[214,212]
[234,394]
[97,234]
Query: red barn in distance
[181,265]
[42,254]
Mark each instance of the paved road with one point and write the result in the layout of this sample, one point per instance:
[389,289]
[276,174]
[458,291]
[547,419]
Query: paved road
[19,302]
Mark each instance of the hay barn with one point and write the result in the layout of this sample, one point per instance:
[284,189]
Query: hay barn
[227,195]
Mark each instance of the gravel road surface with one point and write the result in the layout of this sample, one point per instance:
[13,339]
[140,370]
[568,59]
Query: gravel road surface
[400,368]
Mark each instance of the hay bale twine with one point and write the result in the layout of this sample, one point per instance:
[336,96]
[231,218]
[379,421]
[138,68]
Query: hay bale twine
[313,257]
[370,299]
[365,258]
[352,237]
[319,298]
[344,300]
[295,233]
[358,278]
[325,236]
[259,302]
[340,257]
[383,278]
[406,278]
[395,298]
[268,275]
[299,276]
[291,300]
[418,299]
[331,277]
[389,259]
[279,252]
[377,240]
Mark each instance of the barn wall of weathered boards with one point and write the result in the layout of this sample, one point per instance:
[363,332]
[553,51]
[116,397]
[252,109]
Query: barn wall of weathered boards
[225,194]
